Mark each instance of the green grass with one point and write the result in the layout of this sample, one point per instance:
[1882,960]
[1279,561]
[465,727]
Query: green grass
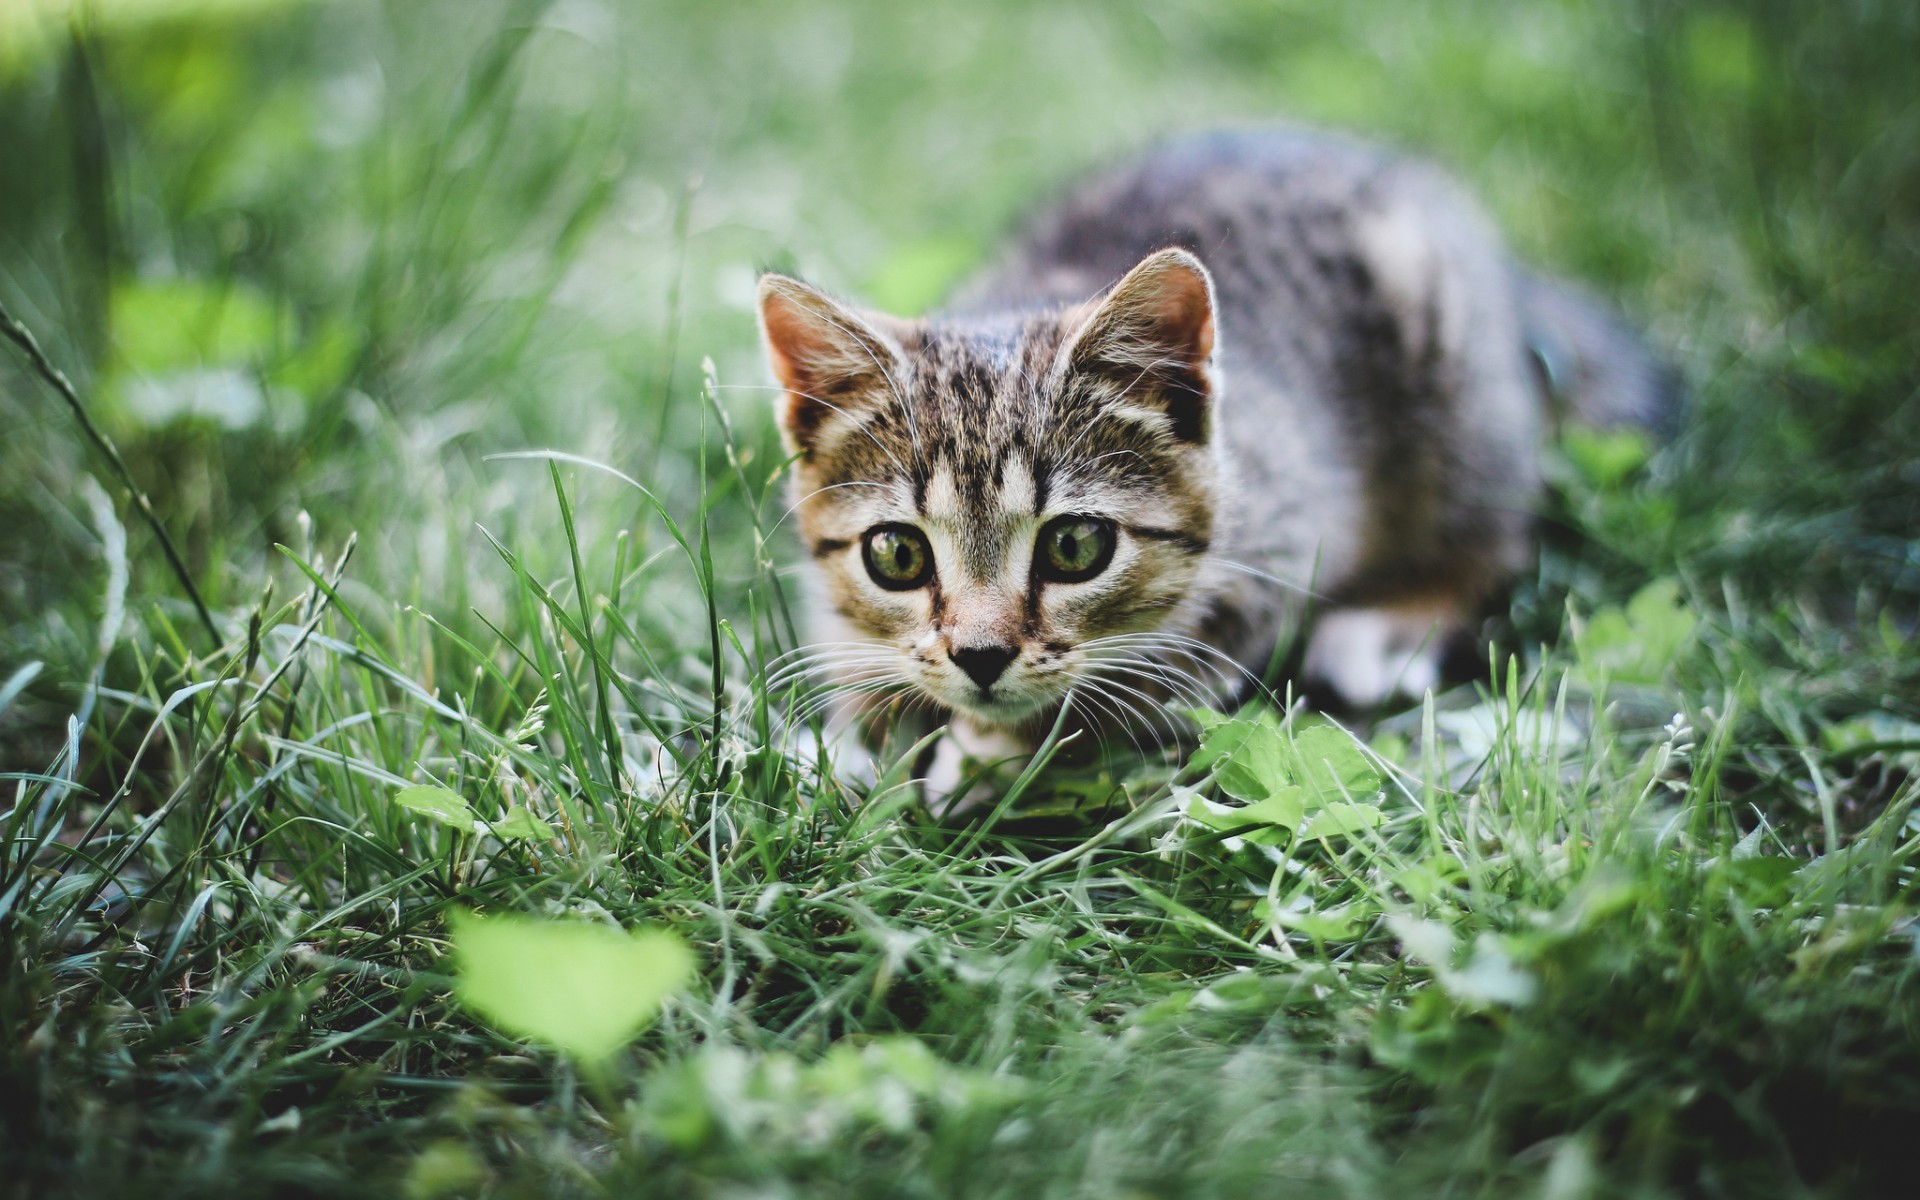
[1636,917]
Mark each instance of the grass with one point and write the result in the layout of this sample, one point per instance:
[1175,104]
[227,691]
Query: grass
[1630,912]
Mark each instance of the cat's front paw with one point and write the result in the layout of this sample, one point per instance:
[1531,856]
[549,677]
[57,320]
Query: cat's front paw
[970,769]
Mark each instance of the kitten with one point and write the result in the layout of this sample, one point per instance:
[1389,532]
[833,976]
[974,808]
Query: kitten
[1245,379]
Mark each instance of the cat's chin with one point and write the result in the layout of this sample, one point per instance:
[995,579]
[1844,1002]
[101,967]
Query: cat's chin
[1010,716]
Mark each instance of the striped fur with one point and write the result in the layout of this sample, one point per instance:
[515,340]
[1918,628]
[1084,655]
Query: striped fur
[1312,387]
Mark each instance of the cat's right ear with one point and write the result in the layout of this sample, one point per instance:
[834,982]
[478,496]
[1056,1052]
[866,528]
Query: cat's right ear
[829,360]
[1152,336]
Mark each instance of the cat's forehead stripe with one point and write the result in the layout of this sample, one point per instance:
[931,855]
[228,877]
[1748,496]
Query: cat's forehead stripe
[1017,491]
[939,499]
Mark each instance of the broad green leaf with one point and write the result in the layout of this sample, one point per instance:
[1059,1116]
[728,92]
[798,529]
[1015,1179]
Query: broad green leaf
[583,988]
[1249,758]
[1262,821]
[1760,881]
[1876,732]
[1393,747]
[1421,882]
[1167,1008]
[1285,807]
[1658,610]
[1341,819]
[1330,764]
[1222,736]
[519,825]
[439,804]
[1224,817]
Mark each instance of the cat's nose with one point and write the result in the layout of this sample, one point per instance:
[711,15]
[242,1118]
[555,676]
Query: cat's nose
[984,663]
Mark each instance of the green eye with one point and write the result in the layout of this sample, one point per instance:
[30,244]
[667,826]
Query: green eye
[1074,549]
[898,557]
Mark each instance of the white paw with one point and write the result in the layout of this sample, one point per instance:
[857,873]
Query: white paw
[968,753]
[1371,654]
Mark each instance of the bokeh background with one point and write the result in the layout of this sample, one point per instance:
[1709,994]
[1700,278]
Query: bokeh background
[312,265]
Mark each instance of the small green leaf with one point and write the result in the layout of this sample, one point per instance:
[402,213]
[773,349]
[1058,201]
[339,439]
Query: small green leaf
[164,324]
[519,825]
[439,804]
[444,1168]
[1222,737]
[1874,732]
[1206,718]
[1637,643]
[1250,758]
[1605,457]
[1393,747]
[1332,925]
[586,989]
[1421,882]
[1760,881]
[1490,977]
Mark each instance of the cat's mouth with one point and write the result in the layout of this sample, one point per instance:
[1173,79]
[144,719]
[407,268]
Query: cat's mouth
[997,710]
[1006,703]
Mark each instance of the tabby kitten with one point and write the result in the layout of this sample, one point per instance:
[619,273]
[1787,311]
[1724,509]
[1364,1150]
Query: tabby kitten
[1247,378]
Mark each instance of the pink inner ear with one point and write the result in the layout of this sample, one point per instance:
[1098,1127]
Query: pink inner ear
[1184,310]
[823,355]
[1153,336]
[796,348]
[1162,309]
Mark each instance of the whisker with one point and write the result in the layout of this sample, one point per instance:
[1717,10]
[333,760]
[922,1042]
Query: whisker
[825,673]
[820,703]
[861,426]
[1105,717]
[1181,689]
[794,507]
[814,647]
[1123,713]
[1269,577]
[1149,709]
[1194,649]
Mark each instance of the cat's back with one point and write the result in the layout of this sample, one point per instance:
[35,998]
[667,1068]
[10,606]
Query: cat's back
[1281,217]
[1366,311]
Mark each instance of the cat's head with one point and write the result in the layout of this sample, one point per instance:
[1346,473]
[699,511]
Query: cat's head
[986,500]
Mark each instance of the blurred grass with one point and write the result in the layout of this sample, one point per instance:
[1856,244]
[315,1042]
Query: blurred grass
[310,264]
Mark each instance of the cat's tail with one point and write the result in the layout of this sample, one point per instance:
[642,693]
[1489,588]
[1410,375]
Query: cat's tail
[1595,368]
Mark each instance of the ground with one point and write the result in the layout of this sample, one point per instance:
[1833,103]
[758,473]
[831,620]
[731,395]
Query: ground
[1628,912]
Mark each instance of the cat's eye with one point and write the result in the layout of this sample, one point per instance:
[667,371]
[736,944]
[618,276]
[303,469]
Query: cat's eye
[1074,549]
[897,557]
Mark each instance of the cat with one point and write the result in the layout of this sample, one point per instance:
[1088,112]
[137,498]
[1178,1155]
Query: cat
[1245,381]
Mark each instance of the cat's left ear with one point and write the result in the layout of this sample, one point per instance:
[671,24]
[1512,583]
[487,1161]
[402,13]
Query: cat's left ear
[833,363]
[1152,337]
